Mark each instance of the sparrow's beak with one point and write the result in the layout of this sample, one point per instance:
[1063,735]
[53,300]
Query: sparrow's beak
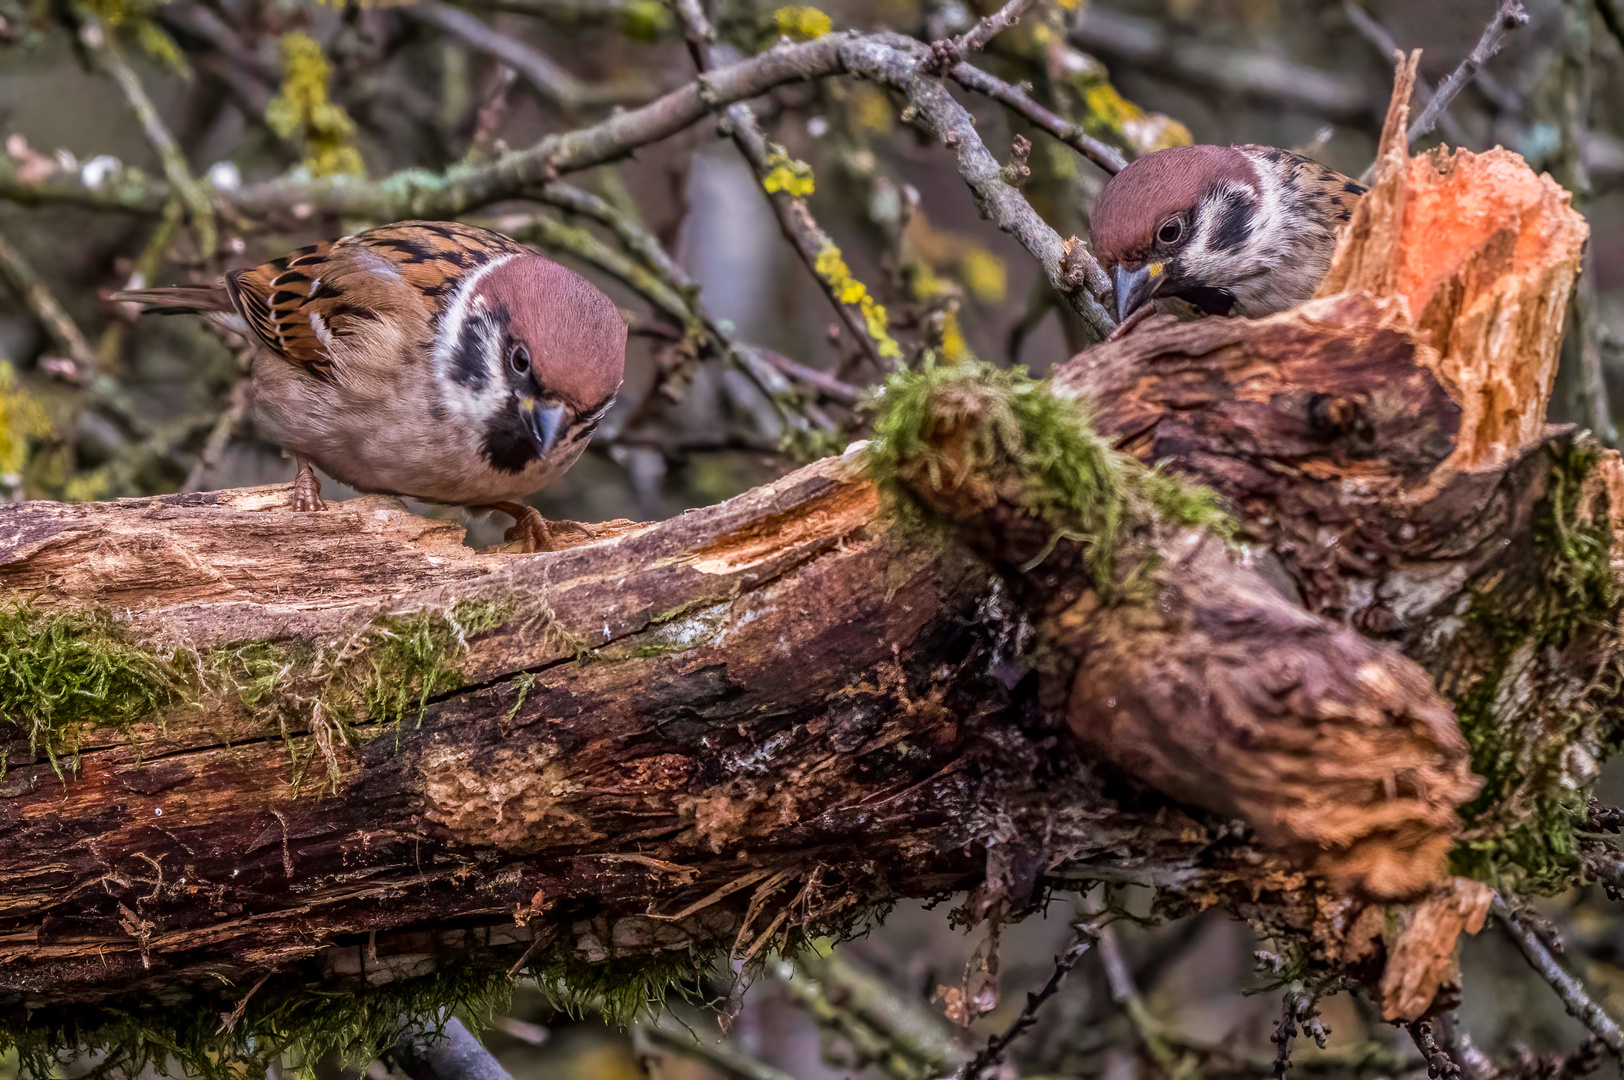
[1134,288]
[544,422]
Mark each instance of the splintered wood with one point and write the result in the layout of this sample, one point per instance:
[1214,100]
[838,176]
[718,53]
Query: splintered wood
[1484,254]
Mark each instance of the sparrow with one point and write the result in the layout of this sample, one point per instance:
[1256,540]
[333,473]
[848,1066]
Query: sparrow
[428,359]
[1232,230]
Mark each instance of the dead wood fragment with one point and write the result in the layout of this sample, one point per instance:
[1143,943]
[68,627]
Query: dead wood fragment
[1484,255]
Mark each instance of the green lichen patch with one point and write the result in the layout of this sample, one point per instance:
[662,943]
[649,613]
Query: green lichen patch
[63,673]
[952,426]
[1534,732]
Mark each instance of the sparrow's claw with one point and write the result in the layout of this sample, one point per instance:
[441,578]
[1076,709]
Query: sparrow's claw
[306,488]
[529,528]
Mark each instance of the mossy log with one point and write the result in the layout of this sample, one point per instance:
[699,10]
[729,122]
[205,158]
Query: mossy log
[265,763]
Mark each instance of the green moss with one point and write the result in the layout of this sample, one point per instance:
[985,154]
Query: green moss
[624,988]
[65,672]
[419,655]
[1009,429]
[285,1020]
[1525,820]
[385,674]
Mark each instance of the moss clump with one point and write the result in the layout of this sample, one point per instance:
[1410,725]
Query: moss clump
[1010,430]
[64,672]
[419,655]
[623,988]
[1526,817]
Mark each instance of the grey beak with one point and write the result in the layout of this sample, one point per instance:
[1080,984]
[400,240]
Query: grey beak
[544,421]
[1132,288]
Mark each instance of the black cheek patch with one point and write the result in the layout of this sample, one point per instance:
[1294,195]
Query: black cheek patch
[468,354]
[482,333]
[507,444]
[1234,226]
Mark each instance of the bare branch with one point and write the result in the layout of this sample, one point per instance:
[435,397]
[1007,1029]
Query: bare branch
[192,193]
[52,317]
[1509,15]
[1254,75]
[1100,153]
[1574,997]
[451,1052]
[993,1053]
[795,218]
[896,61]
[1375,33]
[990,26]
[546,76]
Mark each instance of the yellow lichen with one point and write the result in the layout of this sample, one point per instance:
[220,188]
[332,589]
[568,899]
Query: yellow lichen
[136,16]
[871,110]
[984,274]
[303,108]
[789,175]
[831,267]
[22,420]
[1114,116]
[802,23]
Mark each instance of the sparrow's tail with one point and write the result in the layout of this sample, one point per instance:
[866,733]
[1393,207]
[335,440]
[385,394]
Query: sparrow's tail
[179,300]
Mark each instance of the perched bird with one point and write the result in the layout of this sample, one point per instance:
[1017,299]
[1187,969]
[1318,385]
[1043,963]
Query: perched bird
[426,358]
[1233,230]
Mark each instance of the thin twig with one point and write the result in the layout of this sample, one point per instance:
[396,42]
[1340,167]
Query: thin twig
[1127,997]
[882,58]
[1572,992]
[1375,33]
[1509,15]
[193,194]
[53,318]
[1011,97]
[795,218]
[727,1058]
[546,76]
[1087,934]
[976,38]
[1440,1065]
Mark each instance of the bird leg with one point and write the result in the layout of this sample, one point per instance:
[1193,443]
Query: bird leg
[306,486]
[529,529]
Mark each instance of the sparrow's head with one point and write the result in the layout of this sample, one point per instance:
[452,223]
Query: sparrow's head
[543,351]
[1243,230]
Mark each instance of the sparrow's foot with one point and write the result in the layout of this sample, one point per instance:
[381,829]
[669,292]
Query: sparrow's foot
[529,529]
[306,488]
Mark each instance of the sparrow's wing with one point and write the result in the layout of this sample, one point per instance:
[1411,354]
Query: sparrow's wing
[300,305]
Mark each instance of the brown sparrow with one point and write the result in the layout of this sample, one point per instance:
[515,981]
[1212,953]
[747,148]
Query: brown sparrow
[1233,230]
[426,358]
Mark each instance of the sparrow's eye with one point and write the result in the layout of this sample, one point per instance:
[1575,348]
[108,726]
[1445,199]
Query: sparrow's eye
[519,359]
[1171,230]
